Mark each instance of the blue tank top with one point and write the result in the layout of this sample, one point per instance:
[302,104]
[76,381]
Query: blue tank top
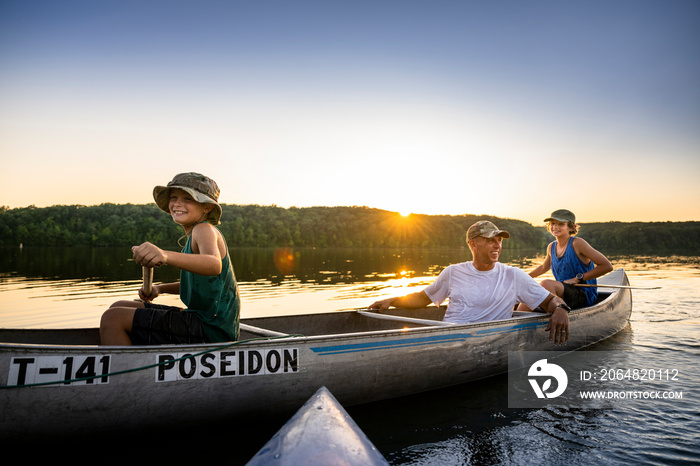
[214,299]
[569,265]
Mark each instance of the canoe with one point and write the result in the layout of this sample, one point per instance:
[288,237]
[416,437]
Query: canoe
[320,433]
[59,381]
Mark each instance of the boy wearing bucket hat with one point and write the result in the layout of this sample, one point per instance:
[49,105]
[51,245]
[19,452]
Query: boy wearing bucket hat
[573,261]
[207,283]
[485,289]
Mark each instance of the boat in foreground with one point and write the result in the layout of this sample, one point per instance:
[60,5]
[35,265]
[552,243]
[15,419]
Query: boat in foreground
[320,433]
[61,381]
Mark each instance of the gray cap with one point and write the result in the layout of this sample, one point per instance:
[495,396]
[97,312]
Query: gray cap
[486,229]
[561,215]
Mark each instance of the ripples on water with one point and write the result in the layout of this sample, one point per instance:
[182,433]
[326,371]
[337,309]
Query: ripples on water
[663,333]
[469,424]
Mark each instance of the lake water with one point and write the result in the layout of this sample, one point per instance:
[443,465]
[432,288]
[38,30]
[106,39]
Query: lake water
[468,424]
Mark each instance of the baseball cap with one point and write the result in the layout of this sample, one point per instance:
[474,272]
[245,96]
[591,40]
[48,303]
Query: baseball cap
[561,215]
[486,229]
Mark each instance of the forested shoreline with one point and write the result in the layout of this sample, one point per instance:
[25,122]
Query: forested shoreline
[272,226]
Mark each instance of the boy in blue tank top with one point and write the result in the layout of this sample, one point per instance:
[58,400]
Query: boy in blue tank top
[207,283]
[572,261]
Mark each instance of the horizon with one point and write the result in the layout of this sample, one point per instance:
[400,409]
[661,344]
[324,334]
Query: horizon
[407,215]
[512,109]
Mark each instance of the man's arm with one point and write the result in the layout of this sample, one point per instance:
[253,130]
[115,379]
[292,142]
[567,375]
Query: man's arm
[413,300]
[558,327]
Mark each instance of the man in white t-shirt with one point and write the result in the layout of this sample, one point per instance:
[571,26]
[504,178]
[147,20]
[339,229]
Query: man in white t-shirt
[485,289]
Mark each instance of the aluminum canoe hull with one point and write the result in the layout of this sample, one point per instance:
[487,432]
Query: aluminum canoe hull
[63,382]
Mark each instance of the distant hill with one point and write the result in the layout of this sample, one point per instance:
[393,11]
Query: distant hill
[643,237]
[272,226]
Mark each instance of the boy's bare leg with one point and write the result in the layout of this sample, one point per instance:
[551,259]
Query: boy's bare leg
[116,324]
[553,286]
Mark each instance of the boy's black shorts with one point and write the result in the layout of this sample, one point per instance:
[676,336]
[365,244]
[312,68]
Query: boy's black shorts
[157,324]
[575,296]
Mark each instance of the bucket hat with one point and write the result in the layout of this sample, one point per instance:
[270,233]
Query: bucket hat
[202,189]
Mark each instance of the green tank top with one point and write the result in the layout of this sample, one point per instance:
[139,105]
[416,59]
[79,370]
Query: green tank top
[214,299]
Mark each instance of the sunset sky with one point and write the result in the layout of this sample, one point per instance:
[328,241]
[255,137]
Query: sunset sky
[508,108]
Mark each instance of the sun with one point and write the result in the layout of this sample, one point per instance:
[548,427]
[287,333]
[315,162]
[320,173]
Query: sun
[405,214]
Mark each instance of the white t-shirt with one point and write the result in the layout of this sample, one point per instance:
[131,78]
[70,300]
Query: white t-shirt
[481,296]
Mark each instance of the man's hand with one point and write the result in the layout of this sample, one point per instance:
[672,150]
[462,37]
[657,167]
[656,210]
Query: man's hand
[382,305]
[558,327]
[413,300]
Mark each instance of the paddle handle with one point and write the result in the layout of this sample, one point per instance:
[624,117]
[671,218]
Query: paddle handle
[588,285]
[147,281]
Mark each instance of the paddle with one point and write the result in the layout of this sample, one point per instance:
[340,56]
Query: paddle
[147,280]
[588,285]
[410,320]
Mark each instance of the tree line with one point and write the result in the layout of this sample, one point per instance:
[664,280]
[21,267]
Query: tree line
[272,226]
[643,237]
[249,226]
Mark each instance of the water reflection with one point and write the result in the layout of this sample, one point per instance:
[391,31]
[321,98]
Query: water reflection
[307,265]
[72,286]
[271,280]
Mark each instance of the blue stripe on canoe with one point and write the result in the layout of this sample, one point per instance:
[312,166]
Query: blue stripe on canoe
[514,328]
[407,342]
[375,345]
